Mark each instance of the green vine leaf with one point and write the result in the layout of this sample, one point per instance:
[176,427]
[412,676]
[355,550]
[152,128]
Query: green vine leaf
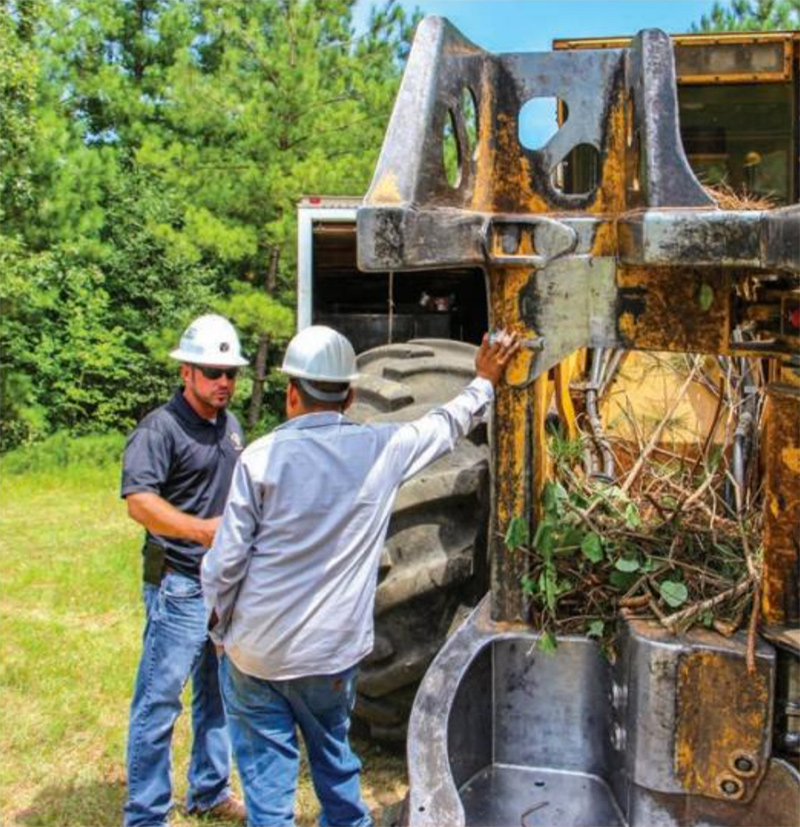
[517,534]
[545,539]
[595,629]
[627,564]
[705,297]
[592,547]
[674,594]
[528,585]
[553,495]
[547,643]
[632,516]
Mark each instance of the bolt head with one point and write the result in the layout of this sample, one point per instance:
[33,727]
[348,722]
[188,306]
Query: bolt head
[730,787]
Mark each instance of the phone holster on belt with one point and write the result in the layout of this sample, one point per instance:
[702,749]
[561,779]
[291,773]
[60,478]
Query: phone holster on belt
[154,563]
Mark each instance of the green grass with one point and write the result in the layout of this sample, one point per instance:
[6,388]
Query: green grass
[71,614]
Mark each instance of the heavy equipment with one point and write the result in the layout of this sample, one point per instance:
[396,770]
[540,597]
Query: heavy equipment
[602,237]
[738,103]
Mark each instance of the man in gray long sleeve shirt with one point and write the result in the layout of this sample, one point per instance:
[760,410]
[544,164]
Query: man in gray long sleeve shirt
[290,580]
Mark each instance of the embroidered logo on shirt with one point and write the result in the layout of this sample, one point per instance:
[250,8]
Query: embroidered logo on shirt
[236,440]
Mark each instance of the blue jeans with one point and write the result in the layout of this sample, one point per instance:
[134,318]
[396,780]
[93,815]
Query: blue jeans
[175,646]
[263,717]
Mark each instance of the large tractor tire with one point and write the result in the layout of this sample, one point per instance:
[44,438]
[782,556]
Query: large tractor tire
[434,565]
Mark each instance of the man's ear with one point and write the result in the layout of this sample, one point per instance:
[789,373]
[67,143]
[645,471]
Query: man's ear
[292,398]
[349,399]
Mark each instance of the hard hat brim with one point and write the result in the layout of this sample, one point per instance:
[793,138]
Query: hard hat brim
[317,377]
[219,360]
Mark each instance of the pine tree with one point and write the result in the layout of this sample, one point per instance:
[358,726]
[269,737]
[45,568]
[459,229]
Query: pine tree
[747,15]
[153,152]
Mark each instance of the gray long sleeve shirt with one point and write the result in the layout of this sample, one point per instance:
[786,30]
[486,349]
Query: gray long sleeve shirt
[293,570]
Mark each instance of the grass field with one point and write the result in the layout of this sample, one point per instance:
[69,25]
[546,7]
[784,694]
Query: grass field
[71,610]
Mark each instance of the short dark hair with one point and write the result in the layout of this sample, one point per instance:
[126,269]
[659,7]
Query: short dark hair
[326,387]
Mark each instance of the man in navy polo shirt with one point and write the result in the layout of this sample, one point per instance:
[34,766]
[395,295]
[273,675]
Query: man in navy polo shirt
[176,475]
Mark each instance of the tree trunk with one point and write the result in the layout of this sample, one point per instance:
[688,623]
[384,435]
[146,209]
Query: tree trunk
[259,379]
[271,282]
[260,368]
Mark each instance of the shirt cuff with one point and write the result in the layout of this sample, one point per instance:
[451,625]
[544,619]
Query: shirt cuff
[483,385]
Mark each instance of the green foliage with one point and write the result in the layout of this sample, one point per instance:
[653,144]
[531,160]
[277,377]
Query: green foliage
[627,564]
[601,550]
[256,314]
[747,15]
[595,628]
[592,547]
[19,75]
[152,154]
[673,592]
[517,533]
[62,451]
[548,643]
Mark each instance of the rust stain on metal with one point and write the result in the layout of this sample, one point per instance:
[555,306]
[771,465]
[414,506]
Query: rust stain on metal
[610,199]
[605,239]
[512,174]
[780,581]
[483,192]
[541,461]
[512,451]
[722,713]
[674,309]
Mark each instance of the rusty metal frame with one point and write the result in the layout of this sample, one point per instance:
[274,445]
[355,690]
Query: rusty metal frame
[644,260]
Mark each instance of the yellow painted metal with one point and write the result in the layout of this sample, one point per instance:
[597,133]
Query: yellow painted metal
[563,375]
[787,42]
[643,391]
[542,471]
[779,592]
[723,724]
[686,311]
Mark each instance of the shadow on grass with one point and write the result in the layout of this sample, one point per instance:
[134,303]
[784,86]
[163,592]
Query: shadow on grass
[96,804]
[99,804]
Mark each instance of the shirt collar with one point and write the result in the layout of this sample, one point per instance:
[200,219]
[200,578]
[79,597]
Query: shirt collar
[190,416]
[314,420]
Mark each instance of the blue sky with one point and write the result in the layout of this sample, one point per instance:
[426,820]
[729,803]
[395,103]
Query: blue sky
[531,25]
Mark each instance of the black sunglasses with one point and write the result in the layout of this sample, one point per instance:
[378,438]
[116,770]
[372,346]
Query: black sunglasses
[217,373]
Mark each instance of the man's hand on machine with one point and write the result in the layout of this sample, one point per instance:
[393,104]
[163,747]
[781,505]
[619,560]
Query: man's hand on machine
[494,354]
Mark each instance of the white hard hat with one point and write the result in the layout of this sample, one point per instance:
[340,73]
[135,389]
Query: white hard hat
[210,340]
[321,354]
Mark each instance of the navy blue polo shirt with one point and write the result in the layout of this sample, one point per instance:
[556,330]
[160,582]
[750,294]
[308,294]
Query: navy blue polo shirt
[187,460]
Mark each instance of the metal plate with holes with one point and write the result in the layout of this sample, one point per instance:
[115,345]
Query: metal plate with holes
[720,738]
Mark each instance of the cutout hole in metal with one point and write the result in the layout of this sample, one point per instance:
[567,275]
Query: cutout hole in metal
[451,151]
[469,112]
[538,121]
[579,172]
